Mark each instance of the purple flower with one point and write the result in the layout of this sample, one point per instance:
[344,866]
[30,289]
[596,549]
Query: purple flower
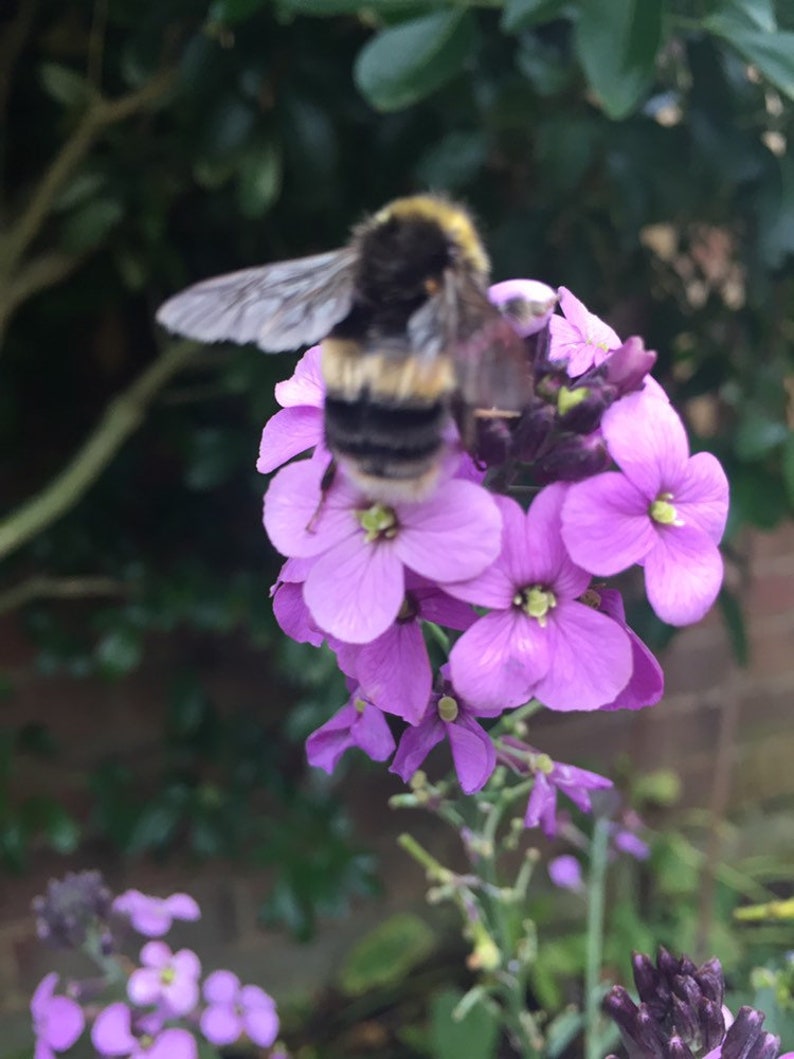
[57,1020]
[538,639]
[394,670]
[153,916]
[235,1010]
[447,715]
[356,586]
[646,686]
[289,608]
[527,303]
[566,872]
[73,909]
[579,338]
[551,777]
[357,724]
[665,509]
[167,978]
[299,424]
[114,1033]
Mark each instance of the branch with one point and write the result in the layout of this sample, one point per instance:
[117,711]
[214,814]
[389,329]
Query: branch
[59,588]
[37,274]
[100,114]
[121,418]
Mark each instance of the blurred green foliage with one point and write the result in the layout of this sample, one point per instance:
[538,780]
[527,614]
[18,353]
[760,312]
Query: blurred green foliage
[634,151]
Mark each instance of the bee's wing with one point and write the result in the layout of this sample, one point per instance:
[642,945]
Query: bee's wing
[491,362]
[279,306]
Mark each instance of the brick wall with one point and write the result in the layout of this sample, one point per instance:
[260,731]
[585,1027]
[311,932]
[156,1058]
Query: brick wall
[711,708]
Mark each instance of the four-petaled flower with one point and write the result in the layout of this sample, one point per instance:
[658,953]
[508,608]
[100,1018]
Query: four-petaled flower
[664,509]
[579,338]
[233,1010]
[57,1020]
[166,978]
[552,777]
[153,916]
[116,1033]
[356,585]
[538,639]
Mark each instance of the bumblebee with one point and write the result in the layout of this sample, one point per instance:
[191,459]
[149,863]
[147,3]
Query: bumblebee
[408,336]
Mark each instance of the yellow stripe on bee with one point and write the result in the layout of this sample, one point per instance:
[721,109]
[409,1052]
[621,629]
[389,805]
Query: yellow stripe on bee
[349,370]
[453,219]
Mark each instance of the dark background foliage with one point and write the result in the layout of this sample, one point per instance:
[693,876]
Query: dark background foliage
[633,151]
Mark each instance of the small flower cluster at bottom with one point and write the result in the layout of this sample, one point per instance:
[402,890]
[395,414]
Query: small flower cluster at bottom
[158,1008]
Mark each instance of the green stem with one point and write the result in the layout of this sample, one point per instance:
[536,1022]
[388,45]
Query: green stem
[595,936]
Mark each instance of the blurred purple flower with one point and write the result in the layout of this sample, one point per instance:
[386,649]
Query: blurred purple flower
[538,639]
[299,425]
[113,1034]
[578,337]
[234,1010]
[552,777]
[447,715]
[394,670]
[665,510]
[565,872]
[57,1020]
[153,916]
[527,303]
[73,910]
[356,586]
[166,978]
[357,724]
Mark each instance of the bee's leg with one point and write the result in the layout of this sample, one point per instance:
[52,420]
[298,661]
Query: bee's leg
[326,482]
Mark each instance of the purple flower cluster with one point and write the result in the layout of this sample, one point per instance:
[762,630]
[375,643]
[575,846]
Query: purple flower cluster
[163,1007]
[612,485]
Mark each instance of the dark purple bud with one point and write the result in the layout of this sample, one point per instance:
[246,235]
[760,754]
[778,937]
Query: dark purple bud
[571,459]
[743,1034]
[72,909]
[648,1034]
[711,980]
[627,366]
[686,989]
[678,1049]
[580,408]
[619,1006]
[494,442]
[767,1048]
[685,1020]
[667,963]
[712,1023]
[646,977]
[532,432]
[686,966]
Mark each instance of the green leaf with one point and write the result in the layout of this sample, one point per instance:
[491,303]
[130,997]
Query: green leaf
[155,827]
[61,829]
[474,1036]
[742,14]
[519,14]
[347,7]
[617,44]
[758,433]
[771,53]
[86,227]
[64,85]
[387,954]
[119,651]
[259,180]
[787,467]
[407,62]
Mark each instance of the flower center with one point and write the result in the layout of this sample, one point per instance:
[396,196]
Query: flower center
[663,511]
[447,708]
[359,705]
[167,975]
[542,763]
[536,602]
[568,399]
[591,598]
[146,1040]
[378,522]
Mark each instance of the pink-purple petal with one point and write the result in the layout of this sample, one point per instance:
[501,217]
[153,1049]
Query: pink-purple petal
[683,574]
[439,607]
[453,536]
[39,1002]
[415,744]
[65,1022]
[143,986]
[306,385]
[221,1024]
[43,1050]
[186,962]
[183,906]
[542,539]
[156,954]
[497,662]
[221,987]
[394,671]
[293,615]
[373,735]
[702,495]
[261,1024]
[299,520]
[354,591]
[646,686]
[590,659]
[542,806]
[288,433]
[325,745]
[647,440]
[111,1033]
[605,524]
[173,1044]
[181,995]
[472,752]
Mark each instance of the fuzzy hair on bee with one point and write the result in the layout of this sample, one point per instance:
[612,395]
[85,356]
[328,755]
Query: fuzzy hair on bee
[409,338]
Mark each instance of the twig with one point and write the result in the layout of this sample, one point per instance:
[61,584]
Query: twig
[120,419]
[59,588]
[100,114]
